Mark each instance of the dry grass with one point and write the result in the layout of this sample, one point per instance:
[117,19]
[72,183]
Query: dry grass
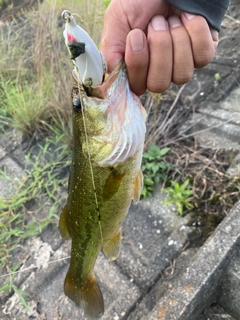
[35,67]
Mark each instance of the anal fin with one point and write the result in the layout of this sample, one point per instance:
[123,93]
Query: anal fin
[112,247]
[138,185]
[63,229]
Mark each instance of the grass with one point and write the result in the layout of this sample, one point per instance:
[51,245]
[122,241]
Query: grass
[40,181]
[9,286]
[33,113]
[35,67]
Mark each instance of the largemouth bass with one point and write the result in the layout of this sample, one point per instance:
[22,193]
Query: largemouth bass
[108,138]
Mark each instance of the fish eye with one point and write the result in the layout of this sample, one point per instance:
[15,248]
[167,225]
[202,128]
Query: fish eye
[77,105]
[76,102]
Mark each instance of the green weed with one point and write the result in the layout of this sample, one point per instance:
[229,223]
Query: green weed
[154,168]
[217,76]
[179,195]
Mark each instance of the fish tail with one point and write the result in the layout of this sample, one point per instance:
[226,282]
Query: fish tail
[86,294]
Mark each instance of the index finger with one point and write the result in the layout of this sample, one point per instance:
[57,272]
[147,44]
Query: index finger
[120,18]
[113,41]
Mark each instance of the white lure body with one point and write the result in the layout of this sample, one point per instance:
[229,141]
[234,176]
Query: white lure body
[90,66]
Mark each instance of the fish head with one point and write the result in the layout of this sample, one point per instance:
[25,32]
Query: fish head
[111,123]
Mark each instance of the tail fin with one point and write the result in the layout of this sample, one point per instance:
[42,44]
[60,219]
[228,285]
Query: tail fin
[86,294]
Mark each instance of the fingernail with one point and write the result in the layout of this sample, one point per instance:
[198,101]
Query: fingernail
[159,23]
[214,34]
[189,16]
[136,40]
[174,22]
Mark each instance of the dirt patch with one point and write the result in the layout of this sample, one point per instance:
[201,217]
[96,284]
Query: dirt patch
[215,191]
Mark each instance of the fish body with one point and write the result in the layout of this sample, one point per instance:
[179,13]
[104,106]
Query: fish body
[108,138]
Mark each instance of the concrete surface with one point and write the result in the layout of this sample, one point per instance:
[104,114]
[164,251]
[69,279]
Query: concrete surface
[193,291]
[229,296]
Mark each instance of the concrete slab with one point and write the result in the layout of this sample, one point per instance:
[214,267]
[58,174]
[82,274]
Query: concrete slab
[229,289]
[11,139]
[193,291]
[10,180]
[153,235]
[2,152]
[215,312]
[161,287]
[216,125]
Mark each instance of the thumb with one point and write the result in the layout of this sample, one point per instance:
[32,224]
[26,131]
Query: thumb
[114,35]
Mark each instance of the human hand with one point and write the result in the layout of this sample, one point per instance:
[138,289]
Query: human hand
[160,44]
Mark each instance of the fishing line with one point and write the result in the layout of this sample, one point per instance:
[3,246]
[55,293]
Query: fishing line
[32,267]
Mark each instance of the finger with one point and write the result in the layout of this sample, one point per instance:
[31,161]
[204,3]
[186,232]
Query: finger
[201,39]
[119,19]
[214,34]
[183,64]
[160,55]
[114,35]
[137,58]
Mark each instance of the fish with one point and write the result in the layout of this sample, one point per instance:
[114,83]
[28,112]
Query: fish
[109,128]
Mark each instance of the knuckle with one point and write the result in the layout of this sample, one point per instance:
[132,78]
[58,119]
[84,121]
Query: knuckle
[160,41]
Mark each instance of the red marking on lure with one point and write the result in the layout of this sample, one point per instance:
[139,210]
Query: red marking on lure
[71,38]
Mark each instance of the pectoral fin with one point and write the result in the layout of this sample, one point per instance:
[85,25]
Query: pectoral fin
[138,185]
[112,184]
[112,247]
[63,224]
